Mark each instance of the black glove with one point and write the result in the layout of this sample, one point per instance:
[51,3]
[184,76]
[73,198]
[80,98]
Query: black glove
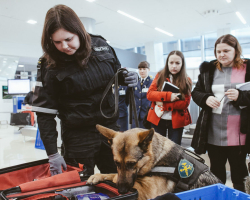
[56,162]
[167,196]
[130,78]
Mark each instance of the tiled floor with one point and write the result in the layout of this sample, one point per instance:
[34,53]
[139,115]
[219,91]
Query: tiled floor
[14,150]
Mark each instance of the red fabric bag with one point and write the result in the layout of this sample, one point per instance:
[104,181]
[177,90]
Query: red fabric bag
[32,181]
[16,175]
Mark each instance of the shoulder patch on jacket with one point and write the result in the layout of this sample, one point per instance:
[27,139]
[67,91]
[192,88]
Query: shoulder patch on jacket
[102,48]
[185,168]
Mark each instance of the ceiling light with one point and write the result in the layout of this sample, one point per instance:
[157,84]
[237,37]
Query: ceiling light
[228,1]
[20,65]
[131,17]
[108,41]
[162,31]
[16,61]
[241,18]
[4,61]
[9,67]
[90,0]
[31,21]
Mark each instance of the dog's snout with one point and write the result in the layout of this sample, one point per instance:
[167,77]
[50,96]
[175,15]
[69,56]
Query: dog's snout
[123,189]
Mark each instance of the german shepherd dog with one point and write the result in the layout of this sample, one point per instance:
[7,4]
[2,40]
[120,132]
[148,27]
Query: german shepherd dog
[136,152]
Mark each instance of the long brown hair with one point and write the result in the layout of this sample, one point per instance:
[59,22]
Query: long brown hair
[180,79]
[61,16]
[233,42]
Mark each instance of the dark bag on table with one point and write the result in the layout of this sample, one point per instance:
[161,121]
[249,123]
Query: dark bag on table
[20,119]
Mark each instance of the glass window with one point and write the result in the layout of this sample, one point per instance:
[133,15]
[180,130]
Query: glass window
[191,48]
[169,46]
[141,50]
[246,50]
[209,54]
[243,36]
[191,44]
[209,41]
[192,58]
[165,56]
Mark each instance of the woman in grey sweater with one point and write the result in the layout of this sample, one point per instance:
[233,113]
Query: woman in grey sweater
[221,127]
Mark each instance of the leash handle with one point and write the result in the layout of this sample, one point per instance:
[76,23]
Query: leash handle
[132,107]
[116,92]
[114,79]
[197,157]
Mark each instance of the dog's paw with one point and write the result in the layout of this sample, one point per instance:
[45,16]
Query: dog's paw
[94,179]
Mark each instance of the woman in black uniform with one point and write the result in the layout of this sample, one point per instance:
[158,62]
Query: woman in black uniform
[71,77]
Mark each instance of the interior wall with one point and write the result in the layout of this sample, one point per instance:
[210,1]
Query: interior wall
[6,105]
[129,59]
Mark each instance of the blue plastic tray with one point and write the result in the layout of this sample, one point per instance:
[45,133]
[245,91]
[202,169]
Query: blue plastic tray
[213,192]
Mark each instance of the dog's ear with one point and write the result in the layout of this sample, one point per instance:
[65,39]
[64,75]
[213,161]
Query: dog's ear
[145,139]
[108,133]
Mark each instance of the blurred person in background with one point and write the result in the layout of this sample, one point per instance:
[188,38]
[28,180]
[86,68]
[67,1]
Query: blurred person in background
[140,92]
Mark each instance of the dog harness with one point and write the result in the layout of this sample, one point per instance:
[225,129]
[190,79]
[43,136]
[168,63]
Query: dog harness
[185,172]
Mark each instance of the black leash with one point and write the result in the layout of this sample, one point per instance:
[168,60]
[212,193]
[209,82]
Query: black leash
[132,107]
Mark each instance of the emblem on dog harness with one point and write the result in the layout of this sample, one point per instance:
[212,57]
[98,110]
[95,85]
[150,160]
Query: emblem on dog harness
[104,48]
[185,168]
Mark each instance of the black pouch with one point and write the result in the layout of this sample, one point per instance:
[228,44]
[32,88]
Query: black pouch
[20,119]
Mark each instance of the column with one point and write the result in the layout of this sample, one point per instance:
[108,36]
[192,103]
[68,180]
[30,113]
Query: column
[154,53]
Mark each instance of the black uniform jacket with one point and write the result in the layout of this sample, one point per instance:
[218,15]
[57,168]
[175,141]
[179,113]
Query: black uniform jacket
[74,93]
[202,91]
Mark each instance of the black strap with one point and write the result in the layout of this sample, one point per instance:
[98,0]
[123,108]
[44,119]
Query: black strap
[116,92]
[194,155]
[132,107]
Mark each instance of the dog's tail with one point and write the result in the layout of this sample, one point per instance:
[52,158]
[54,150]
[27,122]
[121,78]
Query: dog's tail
[247,185]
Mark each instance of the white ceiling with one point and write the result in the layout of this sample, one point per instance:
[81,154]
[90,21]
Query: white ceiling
[182,18]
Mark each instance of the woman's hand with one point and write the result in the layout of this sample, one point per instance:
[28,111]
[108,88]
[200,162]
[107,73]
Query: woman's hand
[212,102]
[232,94]
[174,97]
[159,103]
